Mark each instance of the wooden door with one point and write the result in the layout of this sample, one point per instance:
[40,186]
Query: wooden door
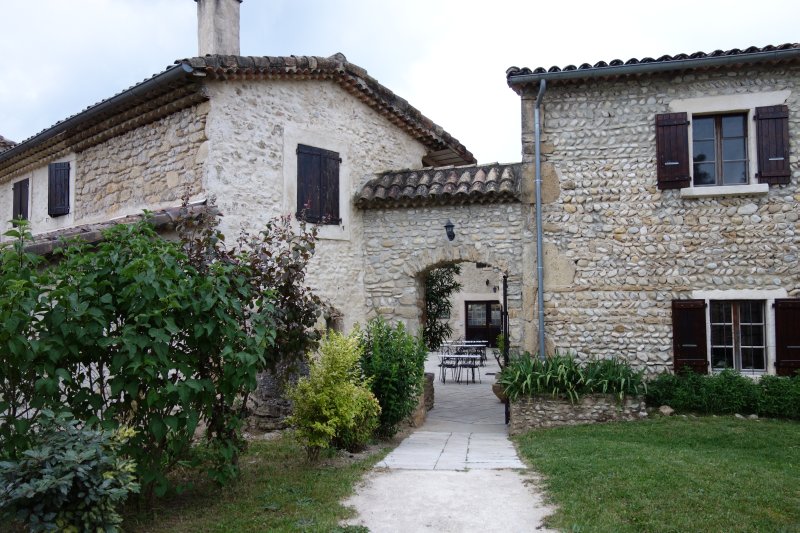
[483,321]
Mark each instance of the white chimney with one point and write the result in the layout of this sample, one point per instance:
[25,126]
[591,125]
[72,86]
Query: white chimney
[218,27]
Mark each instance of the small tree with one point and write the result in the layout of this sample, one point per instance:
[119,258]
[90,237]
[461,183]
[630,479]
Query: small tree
[394,361]
[440,284]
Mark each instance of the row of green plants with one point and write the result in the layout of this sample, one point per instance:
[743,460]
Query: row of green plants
[360,386]
[159,340]
[564,375]
[727,392]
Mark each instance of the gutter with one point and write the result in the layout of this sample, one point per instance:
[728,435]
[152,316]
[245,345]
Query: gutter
[172,74]
[539,258]
[655,66]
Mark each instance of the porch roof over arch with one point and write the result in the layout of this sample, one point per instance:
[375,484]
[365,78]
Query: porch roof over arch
[492,183]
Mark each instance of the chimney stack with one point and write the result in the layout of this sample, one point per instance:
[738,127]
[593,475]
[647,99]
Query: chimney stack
[218,27]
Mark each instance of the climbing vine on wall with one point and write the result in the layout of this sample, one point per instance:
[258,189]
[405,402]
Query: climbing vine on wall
[440,284]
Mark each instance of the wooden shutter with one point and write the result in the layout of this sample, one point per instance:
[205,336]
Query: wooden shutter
[689,335]
[672,150]
[317,185]
[787,336]
[20,203]
[58,189]
[772,138]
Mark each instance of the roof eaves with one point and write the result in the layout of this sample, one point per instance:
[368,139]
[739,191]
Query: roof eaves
[787,52]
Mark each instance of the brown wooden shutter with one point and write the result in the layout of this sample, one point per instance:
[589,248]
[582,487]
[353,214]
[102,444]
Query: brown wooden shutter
[689,335]
[787,336]
[672,150]
[772,138]
[20,203]
[58,189]
[317,185]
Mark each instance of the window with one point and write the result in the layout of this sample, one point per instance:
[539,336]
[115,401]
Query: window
[20,200]
[318,185]
[738,335]
[719,150]
[58,189]
[725,331]
[725,150]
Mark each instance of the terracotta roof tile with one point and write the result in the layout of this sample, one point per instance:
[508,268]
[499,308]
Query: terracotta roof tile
[678,61]
[492,183]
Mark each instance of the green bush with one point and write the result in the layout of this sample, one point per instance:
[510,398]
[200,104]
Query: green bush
[71,480]
[394,362]
[333,404]
[564,375]
[154,334]
[727,392]
[440,284]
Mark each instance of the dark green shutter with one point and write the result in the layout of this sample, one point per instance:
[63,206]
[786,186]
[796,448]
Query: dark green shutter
[20,199]
[689,335]
[58,189]
[672,150]
[772,139]
[787,336]
[317,185]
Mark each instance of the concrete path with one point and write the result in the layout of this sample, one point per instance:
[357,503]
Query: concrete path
[459,472]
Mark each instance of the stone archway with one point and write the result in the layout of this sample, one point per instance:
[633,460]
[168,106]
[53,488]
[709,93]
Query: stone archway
[403,244]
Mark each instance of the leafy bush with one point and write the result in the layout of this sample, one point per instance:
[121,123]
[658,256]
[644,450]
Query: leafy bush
[333,404]
[154,334]
[394,362]
[727,392]
[564,375]
[440,284]
[71,480]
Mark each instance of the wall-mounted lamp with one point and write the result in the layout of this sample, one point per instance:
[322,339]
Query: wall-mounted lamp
[448,227]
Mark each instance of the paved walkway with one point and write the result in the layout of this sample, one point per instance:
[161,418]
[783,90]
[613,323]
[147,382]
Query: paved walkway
[459,472]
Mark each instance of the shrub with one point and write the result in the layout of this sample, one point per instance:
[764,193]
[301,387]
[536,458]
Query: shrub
[727,392]
[394,362]
[71,480]
[564,375]
[333,404]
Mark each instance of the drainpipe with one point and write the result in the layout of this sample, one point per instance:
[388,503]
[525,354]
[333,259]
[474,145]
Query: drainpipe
[539,258]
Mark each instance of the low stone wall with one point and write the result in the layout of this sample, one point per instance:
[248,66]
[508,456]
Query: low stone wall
[547,412]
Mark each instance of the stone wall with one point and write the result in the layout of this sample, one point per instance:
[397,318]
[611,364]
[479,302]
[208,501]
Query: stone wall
[149,167]
[253,131]
[402,244]
[633,248]
[547,412]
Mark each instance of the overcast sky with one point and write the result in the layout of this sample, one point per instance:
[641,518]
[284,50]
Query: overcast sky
[446,57]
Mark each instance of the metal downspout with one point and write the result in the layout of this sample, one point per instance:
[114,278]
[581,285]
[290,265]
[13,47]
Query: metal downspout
[539,257]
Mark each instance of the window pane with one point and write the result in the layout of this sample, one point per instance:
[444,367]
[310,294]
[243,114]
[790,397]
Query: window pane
[496,314]
[703,151]
[722,357]
[733,126]
[734,173]
[704,174]
[753,359]
[703,128]
[721,312]
[476,315]
[755,312]
[733,149]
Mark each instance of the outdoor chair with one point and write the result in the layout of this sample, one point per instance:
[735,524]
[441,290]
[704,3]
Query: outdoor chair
[471,366]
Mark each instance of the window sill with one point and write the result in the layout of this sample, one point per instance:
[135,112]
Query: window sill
[756,189]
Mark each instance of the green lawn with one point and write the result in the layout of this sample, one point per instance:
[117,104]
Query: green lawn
[671,474]
[278,491]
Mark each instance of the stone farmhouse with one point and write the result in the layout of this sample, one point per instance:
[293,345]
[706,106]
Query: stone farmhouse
[667,230]
[670,205]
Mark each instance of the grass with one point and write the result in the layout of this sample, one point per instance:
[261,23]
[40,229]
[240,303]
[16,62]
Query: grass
[671,474]
[278,491]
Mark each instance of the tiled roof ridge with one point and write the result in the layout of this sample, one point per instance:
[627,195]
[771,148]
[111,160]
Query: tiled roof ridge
[464,184]
[353,78]
[752,52]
